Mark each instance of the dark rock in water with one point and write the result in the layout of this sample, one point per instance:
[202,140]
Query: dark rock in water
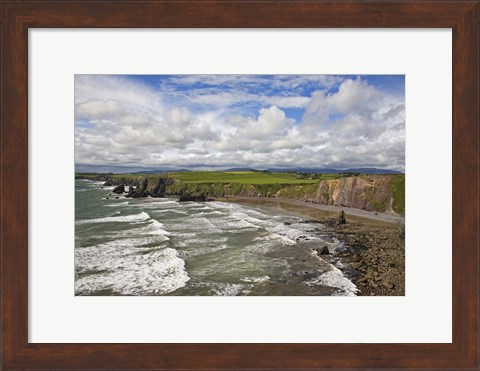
[341,218]
[119,189]
[323,251]
[108,183]
[300,238]
[189,197]
[116,198]
[287,223]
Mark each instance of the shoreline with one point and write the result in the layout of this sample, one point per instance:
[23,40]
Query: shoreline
[374,259]
[329,211]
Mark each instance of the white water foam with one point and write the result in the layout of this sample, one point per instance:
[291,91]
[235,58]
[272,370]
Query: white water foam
[193,240]
[335,278]
[116,204]
[126,272]
[230,224]
[181,212]
[156,204]
[229,289]
[256,279]
[143,216]
[277,237]
[278,230]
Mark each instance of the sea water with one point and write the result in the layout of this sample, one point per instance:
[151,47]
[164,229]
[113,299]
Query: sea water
[159,246]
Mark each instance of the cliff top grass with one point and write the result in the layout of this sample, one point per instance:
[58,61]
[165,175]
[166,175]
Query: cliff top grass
[242,177]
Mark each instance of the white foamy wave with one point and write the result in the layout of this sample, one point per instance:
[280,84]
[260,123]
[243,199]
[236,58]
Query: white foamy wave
[228,289]
[335,278]
[125,203]
[193,223]
[278,237]
[96,183]
[207,213]
[154,228]
[278,230]
[156,205]
[181,212]
[124,272]
[291,233]
[254,221]
[232,223]
[256,279]
[143,216]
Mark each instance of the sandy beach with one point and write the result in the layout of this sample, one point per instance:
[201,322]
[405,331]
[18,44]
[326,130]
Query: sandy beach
[375,255]
[324,211]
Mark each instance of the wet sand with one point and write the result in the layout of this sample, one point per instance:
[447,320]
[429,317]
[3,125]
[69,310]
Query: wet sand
[375,255]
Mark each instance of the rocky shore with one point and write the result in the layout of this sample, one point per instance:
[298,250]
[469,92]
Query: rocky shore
[374,258]
[374,254]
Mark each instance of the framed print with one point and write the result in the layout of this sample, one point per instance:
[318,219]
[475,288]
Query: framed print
[238,185]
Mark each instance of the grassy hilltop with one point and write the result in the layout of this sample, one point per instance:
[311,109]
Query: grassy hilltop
[245,177]
[369,192]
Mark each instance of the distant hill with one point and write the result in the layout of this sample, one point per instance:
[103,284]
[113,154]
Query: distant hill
[366,170]
[240,169]
[80,168]
[371,170]
[112,169]
[160,171]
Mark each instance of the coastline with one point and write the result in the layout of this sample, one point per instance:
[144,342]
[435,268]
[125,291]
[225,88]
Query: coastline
[324,211]
[374,259]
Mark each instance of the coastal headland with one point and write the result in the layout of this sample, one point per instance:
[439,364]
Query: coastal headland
[373,205]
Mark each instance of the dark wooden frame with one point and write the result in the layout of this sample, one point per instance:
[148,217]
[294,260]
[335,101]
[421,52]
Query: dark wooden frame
[19,16]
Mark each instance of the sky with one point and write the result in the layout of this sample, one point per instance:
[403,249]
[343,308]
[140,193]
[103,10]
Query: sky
[207,122]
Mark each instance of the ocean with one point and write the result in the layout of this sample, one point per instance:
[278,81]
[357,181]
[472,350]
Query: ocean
[159,246]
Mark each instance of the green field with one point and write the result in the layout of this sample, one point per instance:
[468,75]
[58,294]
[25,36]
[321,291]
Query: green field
[243,177]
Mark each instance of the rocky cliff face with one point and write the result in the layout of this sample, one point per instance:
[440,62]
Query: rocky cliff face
[360,192]
[384,193]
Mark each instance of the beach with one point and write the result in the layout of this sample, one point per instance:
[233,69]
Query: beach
[374,258]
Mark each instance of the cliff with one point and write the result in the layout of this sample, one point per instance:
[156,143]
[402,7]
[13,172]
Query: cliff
[385,193]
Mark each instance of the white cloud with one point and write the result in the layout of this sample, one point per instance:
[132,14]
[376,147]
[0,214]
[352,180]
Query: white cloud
[124,122]
[271,122]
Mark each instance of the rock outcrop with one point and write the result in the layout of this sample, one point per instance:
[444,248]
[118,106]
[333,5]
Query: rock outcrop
[188,197]
[140,191]
[119,189]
